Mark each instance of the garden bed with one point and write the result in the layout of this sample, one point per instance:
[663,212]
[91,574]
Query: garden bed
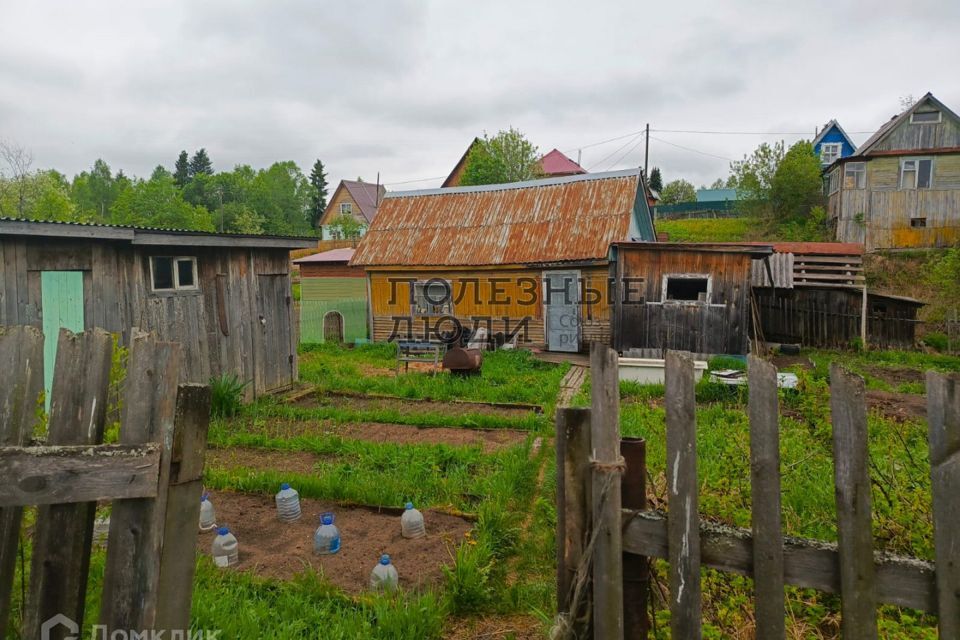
[274,549]
[349,400]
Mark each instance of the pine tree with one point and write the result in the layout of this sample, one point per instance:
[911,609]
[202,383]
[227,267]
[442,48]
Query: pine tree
[318,195]
[656,180]
[181,170]
[200,163]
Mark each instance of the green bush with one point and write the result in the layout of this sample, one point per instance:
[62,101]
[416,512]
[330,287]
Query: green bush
[226,395]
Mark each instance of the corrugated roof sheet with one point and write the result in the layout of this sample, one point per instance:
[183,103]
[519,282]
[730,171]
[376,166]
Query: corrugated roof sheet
[539,221]
[333,255]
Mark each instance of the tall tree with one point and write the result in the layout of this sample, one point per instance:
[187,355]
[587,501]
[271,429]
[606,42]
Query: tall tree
[678,191]
[95,191]
[181,170]
[318,194]
[797,184]
[157,202]
[753,176]
[506,157]
[281,196]
[656,180]
[15,170]
[200,164]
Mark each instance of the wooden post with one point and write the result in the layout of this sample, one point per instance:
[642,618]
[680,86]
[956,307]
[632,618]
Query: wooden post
[858,600]
[943,418]
[21,356]
[765,489]
[131,577]
[178,560]
[863,318]
[607,464]
[636,573]
[682,519]
[573,513]
[64,532]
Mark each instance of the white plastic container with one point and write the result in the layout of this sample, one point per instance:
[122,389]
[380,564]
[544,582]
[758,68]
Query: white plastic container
[288,503]
[224,550]
[326,540]
[651,370]
[411,523]
[384,575]
[208,520]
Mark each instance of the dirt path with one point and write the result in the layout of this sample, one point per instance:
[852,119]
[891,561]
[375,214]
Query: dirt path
[571,384]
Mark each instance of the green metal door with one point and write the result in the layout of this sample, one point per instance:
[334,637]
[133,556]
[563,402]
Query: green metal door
[62,307]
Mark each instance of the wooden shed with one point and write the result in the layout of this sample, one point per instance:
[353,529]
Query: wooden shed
[225,298]
[333,298]
[689,297]
[527,259]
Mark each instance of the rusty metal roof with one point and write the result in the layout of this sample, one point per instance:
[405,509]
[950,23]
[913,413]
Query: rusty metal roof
[571,218]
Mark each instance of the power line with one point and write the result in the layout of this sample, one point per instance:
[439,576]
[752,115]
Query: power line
[626,153]
[391,184]
[743,133]
[616,151]
[703,153]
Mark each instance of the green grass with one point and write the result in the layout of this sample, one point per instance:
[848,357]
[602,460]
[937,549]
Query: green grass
[707,229]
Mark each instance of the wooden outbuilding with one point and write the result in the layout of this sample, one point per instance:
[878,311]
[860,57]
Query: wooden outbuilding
[525,260]
[225,298]
[333,298]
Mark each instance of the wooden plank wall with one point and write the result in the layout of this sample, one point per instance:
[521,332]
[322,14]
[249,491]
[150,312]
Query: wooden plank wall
[219,326]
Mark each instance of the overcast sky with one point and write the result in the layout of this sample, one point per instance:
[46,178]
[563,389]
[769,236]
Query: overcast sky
[402,87]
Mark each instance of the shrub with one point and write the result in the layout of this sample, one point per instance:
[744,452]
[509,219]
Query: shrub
[226,395]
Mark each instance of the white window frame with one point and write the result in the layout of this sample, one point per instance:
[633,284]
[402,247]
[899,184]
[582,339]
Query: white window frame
[686,276]
[915,161]
[176,274]
[446,308]
[835,147]
[859,171]
[937,121]
[349,208]
[834,180]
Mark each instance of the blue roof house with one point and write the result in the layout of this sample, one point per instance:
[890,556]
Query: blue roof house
[832,143]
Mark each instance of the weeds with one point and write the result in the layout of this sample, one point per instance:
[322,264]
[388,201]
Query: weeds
[226,395]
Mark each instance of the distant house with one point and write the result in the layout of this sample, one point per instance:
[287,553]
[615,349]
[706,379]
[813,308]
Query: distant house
[552,164]
[333,298]
[832,143]
[355,198]
[526,258]
[901,188]
[716,195]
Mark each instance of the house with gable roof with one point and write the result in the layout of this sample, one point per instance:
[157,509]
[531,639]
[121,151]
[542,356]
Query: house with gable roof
[832,143]
[901,188]
[355,198]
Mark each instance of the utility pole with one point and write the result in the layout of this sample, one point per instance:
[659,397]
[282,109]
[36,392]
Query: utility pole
[646,154]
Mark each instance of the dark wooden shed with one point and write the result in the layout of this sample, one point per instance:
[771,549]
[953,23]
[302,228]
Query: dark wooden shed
[690,297]
[225,298]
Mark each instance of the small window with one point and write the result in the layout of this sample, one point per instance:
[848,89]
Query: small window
[432,298]
[855,175]
[687,289]
[918,223]
[916,173]
[346,208]
[830,151]
[925,117]
[833,181]
[171,273]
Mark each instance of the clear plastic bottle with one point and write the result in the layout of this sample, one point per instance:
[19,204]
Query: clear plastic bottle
[384,575]
[411,523]
[288,503]
[207,518]
[327,538]
[225,551]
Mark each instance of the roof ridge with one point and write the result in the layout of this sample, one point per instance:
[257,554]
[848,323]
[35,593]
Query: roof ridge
[523,184]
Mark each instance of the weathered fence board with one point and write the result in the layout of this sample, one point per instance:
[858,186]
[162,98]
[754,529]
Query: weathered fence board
[636,574]
[858,601]
[79,473]
[682,497]
[178,558]
[765,504]
[943,417]
[21,355]
[132,571]
[607,465]
[64,532]
[574,490]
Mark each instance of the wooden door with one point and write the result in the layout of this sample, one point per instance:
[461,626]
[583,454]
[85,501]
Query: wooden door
[274,356]
[61,307]
[561,302]
[333,327]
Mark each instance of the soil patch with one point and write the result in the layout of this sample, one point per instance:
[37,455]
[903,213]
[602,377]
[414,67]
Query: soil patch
[519,627]
[280,550]
[898,406]
[380,403]
[782,361]
[262,459]
[895,376]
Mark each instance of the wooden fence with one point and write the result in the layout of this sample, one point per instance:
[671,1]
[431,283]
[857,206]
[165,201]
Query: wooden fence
[152,476]
[851,568]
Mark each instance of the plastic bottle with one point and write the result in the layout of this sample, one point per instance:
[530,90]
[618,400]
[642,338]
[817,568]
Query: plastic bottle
[207,518]
[224,549]
[384,575]
[288,503]
[411,523]
[327,538]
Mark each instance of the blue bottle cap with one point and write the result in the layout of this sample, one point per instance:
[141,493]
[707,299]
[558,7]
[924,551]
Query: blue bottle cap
[409,505]
[223,531]
[326,518]
[384,559]
[284,486]
[203,498]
